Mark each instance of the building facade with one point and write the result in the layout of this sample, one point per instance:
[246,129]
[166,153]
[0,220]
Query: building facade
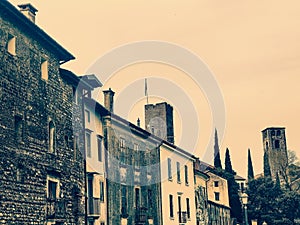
[131,157]
[41,179]
[177,185]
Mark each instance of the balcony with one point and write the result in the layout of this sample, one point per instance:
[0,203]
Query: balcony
[141,216]
[55,209]
[93,207]
[182,217]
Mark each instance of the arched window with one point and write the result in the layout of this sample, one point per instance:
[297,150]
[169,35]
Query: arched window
[51,137]
[277,144]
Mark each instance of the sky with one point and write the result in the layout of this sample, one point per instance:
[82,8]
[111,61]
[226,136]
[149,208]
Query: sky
[252,49]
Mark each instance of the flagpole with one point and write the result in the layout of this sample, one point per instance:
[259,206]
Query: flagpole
[146,90]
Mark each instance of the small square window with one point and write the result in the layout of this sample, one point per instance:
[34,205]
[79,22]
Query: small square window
[216,183]
[44,69]
[11,44]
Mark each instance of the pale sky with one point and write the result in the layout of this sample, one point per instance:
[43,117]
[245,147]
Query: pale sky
[252,48]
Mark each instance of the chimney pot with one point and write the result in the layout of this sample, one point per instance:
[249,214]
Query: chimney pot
[29,11]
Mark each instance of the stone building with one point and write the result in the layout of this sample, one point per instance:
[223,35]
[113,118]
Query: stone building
[275,151]
[42,176]
[131,156]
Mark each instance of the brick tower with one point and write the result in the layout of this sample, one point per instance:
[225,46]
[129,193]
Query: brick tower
[275,148]
[159,120]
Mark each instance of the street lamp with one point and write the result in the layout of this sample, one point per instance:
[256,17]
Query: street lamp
[244,198]
[264,223]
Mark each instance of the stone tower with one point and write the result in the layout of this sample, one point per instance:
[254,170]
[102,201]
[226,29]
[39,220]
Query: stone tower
[159,120]
[275,148]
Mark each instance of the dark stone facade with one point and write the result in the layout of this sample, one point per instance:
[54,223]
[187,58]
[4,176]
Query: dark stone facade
[39,184]
[133,173]
[159,120]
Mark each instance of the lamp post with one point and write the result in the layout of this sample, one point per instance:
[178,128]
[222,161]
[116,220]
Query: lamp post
[244,198]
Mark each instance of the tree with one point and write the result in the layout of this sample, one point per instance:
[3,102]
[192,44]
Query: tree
[263,200]
[217,159]
[267,170]
[292,158]
[267,202]
[228,166]
[250,166]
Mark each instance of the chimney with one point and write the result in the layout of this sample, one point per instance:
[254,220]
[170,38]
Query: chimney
[138,122]
[29,11]
[109,100]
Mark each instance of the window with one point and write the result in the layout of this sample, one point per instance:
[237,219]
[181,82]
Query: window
[273,132]
[150,202]
[178,172]
[51,137]
[18,128]
[87,116]
[188,212]
[216,183]
[217,196]
[186,174]
[44,69]
[52,189]
[122,143]
[169,169]
[101,191]
[11,44]
[137,198]
[278,133]
[102,223]
[277,144]
[88,144]
[99,142]
[122,149]
[179,209]
[124,200]
[171,206]
[267,145]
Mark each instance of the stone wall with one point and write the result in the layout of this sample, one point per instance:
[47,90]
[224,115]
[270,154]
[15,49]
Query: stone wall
[28,103]
[129,168]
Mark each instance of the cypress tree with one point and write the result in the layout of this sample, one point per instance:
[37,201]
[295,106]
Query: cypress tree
[267,170]
[228,166]
[250,166]
[217,159]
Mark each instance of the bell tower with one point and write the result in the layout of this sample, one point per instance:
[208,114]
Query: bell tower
[275,148]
